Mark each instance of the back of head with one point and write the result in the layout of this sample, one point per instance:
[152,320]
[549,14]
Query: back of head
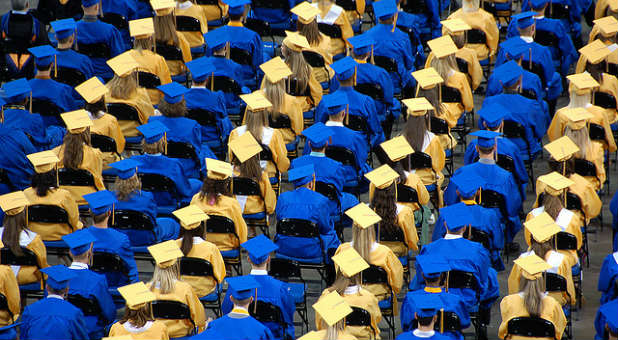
[310,31]
[580,137]
[552,205]
[445,65]
[165,29]
[42,182]
[165,278]
[250,168]
[125,187]
[19,5]
[384,203]
[122,87]
[73,145]
[275,93]
[187,238]
[415,130]
[256,121]
[300,69]
[178,109]
[533,295]
[137,317]
[13,226]
[363,241]
[213,188]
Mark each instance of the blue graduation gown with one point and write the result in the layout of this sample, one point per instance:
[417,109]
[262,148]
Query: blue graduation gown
[277,293]
[427,24]
[359,105]
[90,32]
[16,146]
[68,58]
[126,8]
[165,228]
[367,73]
[234,326]
[308,205]
[277,16]
[449,302]
[114,242]
[599,324]
[230,69]
[31,124]
[613,208]
[530,83]
[412,336]
[61,95]
[572,23]
[607,278]
[203,98]
[54,319]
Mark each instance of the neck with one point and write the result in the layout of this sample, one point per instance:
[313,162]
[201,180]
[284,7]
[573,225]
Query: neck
[91,11]
[102,225]
[427,328]
[65,46]
[259,267]
[43,74]
[336,118]
[486,156]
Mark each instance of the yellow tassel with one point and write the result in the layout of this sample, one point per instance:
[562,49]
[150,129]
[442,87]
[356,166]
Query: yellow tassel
[372,60]
[212,81]
[395,22]
[30,109]
[55,67]
[447,276]
[113,214]
[165,142]
[255,304]
[441,320]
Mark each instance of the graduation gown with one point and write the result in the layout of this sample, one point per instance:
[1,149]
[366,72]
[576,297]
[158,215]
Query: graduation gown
[31,241]
[609,84]
[107,125]
[10,289]
[182,293]
[414,181]
[405,221]
[613,207]
[581,62]
[112,241]
[601,9]
[530,82]
[215,12]
[591,203]
[228,68]
[607,278]
[513,306]
[245,39]
[151,62]
[475,72]
[236,325]
[448,301]
[90,30]
[33,126]
[177,67]
[569,222]
[228,207]
[274,140]
[140,100]
[254,204]
[433,147]
[560,121]
[417,334]
[68,58]
[152,330]
[205,250]
[92,162]
[483,21]
[59,94]
[291,108]
[323,75]
[203,98]
[367,73]
[321,335]
[453,111]
[335,15]
[63,199]
[53,318]
[14,161]
[189,9]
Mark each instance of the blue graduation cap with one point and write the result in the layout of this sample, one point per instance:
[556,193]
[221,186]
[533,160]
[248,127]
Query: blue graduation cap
[63,28]
[385,9]
[173,92]
[88,3]
[335,102]
[43,55]
[317,134]
[509,73]
[361,43]
[467,185]
[58,277]
[432,265]
[16,90]
[241,287]
[515,47]
[344,67]
[79,241]
[200,69]
[486,138]
[217,38]
[237,7]
[101,202]
[301,175]
[153,131]
[126,168]
[610,311]
[524,19]
[259,248]
[492,114]
[538,4]
[427,305]
[453,214]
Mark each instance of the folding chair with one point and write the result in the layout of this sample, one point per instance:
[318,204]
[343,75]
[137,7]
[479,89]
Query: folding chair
[208,119]
[514,130]
[267,155]
[164,191]
[396,236]
[270,316]
[217,224]
[465,280]
[52,216]
[137,226]
[172,310]
[377,275]
[440,127]
[50,113]
[567,241]
[283,122]
[116,272]
[347,158]
[230,87]
[243,186]
[530,327]
[184,150]
[289,271]
[69,76]
[557,283]
[193,266]
[173,53]
[116,20]
[420,160]
[126,112]
[148,80]
[330,191]
[95,50]
[360,318]
[88,306]
[71,178]
[28,259]
[315,60]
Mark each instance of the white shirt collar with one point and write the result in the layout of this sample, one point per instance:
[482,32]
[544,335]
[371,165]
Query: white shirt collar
[198,87]
[184,4]
[527,39]
[331,123]
[258,272]
[197,240]
[452,237]
[78,266]
[19,12]
[423,334]
[132,329]
[352,290]
[540,16]
[54,296]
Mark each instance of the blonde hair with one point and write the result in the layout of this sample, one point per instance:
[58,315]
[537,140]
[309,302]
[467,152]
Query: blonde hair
[445,65]
[579,100]
[275,93]
[533,295]
[363,239]
[581,138]
[256,121]
[332,332]
[165,278]
[165,29]
[300,69]
[123,87]
[125,187]
[152,148]
[142,44]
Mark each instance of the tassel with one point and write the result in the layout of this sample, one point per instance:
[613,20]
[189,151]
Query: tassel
[255,304]
[2,114]
[57,179]
[395,22]
[441,320]
[30,104]
[480,195]
[440,93]
[212,81]
[227,50]
[354,76]
[447,276]
[372,60]
[530,60]
[55,67]
[113,213]
[165,142]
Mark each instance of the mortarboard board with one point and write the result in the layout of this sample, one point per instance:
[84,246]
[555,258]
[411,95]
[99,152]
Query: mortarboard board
[165,253]
[384,9]
[163,7]
[63,28]
[486,138]
[275,70]
[562,148]
[100,202]
[256,101]
[468,185]
[58,277]
[89,3]
[363,216]
[245,147]
[542,227]
[515,48]
[44,161]
[136,295]
[595,52]
[92,90]
[608,26]
[216,39]
[295,41]
[79,241]
[317,134]
[153,131]
[362,44]
[141,28]
[16,90]
[76,121]
[427,305]
[13,203]
[331,307]
[578,118]
[305,12]
[538,4]
[218,170]
[200,69]
[455,25]
[524,19]
[532,266]
[427,78]
[432,265]
[301,175]
[336,102]
[173,92]
[442,46]
[582,82]
[242,287]
[237,7]
[259,248]
[509,73]
[345,68]
[123,64]
[350,262]
[453,214]
[190,217]
[417,106]
[492,114]
[397,148]
[382,177]
[555,183]
[125,168]
[610,311]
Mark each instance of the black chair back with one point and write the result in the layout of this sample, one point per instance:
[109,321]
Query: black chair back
[512,129]
[372,90]
[605,100]
[123,111]
[415,6]
[217,224]
[573,202]
[202,116]
[44,213]
[88,306]
[4,304]
[348,5]
[506,162]
[327,189]
[108,262]
[612,69]
[341,155]
[4,178]
[535,68]
[596,132]
[293,89]
[389,64]
[207,2]
[260,27]
[489,7]
[295,227]
[226,85]
[131,220]
[282,122]
[171,310]
[546,38]
[182,150]
[116,20]
[265,312]
[240,56]
[69,76]
[449,321]
[462,65]
[374,275]
[271,4]
[439,126]
[390,235]
[95,50]
[169,52]
[566,241]
[187,24]
[103,143]
[285,270]
[493,199]
[476,36]
[333,31]
[45,107]
[528,93]
[555,282]
[244,186]
[359,317]
[406,194]
[450,94]
[462,280]
[531,327]
[27,259]
[585,168]
[420,160]
[314,59]
[357,123]
[72,178]
[148,80]
[157,182]
[479,236]
[557,11]
[193,266]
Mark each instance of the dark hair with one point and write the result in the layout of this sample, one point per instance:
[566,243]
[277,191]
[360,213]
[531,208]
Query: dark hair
[94,108]
[250,168]
[13,226]
[595,70]
[137,317]
[212,188]
[235,17]
[484,150]
[541,249]
[173,110]
[187,237]
[569,166]
[414,131]
[99,218]
[433,97]
[426,321]
[384,203]
[552,205]
[43,182]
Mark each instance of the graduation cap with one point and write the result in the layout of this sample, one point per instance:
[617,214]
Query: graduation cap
[295,41]
[456,25]
[331,307]
[385,9]
[350,262]
[77,121]
[486,138]
[468,185]
[89,3]
[345,68]
[362,44]
[58,277]
[245,147]
[578,118]
[562,148]
[427,305]
[242,287]
[608,26]
[301,175]
[173,92]
[136,295]
[582,83]
[312,335]
[524,19]
[397,148]
[259,248]
[305,12]
[118,337]
[427,78]
[538,4]
[555,183]
[63,28]
[190,217]
[532,266]
[442,46]
[123,64]
[218,170]
[417,106]
[453,214]
[92,90]
[216,39]
[542,227]
[382,177]
[200,69]
[79,241]
[432,265]
[363,216]
[125,168]
[275,70]
[141,28]
[317,134]
[162,7]
[153,131]
[610,311]
[165,253]
[509,73]
[493,114]
[101,202]
[256,101]
[44,161]
[237,7]
[595,52]
[515,48]
[336,102]
[17,90]
[13,203]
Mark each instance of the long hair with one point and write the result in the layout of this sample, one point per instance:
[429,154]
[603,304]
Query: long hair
[122,87]
[363,240]
[332,332]
[250,168]
[310,31]
[384,203]
[126,187]
[275,93]
[173,110]
[552,205]
[415,130]
[165,29]
[143,44]
[187,238]
[433,97]
[578,100]
[256,121]
[13,226]
[152,148]
[300,69]
[165,278]
[42,183]
[137,317]
[533,295]
[541,248]
[212,188]
[581,138]
[459,39]
[96,108]
[445,65]
[73,153]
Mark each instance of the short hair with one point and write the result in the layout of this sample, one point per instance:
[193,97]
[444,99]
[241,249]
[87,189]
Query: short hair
[100,218]
[19,5]
[426,321]
[485,150]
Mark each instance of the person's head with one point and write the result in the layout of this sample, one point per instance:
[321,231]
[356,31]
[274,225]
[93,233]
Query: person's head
[445,66]
[173,103]
[291,49]
[58,278]
[532,283]
[165,29]
[485,151]
[124,188]
[415,129]
[241,290]
[80,245]
[165,278]
[342,282]
[256,121]
[581,137]
[318,136]
[384,203]
[538,6]
[101,204]
[45,177]
[275,93]
[155,141]
[541,248]
[73,148]
[138,317]
[91,7]
[178,109]
[20,5]
[470,5]
[14,223]
[363,239]
[258,250]
[609,312]
[527,31]
[579,98]
[187,236]
[97,107]
[123,87]
[310,31]
[250,168]
[217,181]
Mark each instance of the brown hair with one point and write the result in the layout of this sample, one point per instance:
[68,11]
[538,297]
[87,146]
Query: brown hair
[100,218]
[122,87]
[300,69]
[445,65]
[363,240]
[414,131]
[73,149]
[212,188]
[173,110]
[250,168]
[165,29]
[310,31]
[459,39]
[125,187]
[541,249]
[13,226]
[42,183]
[152,148]
[137,317]
[256,121]
[433,97]
[384,203]
[533,295]
[142,44]
[552,205]
[187,237]
[275,93]
[165,278]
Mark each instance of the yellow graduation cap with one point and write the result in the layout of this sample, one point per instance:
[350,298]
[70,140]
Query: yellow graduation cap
[397,148]
[92,90]
[313,335]
[363,216]
[136,295]
[332,308]
[13,203]
[163,7]
[417,106]
[382,177]
[123,64]
[305,12]
[275,69]
[608,25]
[245,147]
[256,101]
[555,183]
[532,266]
[165,253]
[190,217]
[542,227]
[578,118]
[76,121]
[595,52]
[562,148]
[442,46]
[350,262]
[456,25]
[295,41]
[141,28]
[118,337]
[217,169]
[427,78]
[44,161]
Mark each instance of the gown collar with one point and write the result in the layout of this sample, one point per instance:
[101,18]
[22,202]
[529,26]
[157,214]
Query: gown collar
[78,266]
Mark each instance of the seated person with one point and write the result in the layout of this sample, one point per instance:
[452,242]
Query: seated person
[607,278]
[605,321]
[332,312]
[483,21]
[14,161]
[334,15]
[194,38]
[426,314]
[10,289]
[166,34]
[66,57]
[138,319]
[596,55]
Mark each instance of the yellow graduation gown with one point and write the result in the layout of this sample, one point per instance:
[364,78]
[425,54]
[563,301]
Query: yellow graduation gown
[308,102]
[140,100]
[475,72]
[321,335]
[581,62]
[567,221]
[335,15]
[415,182]
[323,48]
[559,123]
[151,62]
[33,242]
[484,21]
[357,14]
[228,207]
[291,108]
[10,289]
[258,204]
[594,154]
[212,12]
[177,67]
[601,9]
[107,125]
[205,250]
[183,293]
[513,306]
[274,140]
[61,198]
[591,203]
[152,330]
[92,162]
[405,221]
[433,147]
[188,9]
[357,296]
[453,111]
[609,84]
